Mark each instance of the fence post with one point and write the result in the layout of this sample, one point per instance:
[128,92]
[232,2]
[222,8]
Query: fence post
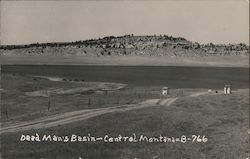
[48,102]
[6,112]
[89,102]
[118,99]
[78,103]
[99,101]
[107,101]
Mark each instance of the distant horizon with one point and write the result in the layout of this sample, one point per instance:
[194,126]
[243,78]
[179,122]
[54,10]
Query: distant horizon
[58,42]
[217,22]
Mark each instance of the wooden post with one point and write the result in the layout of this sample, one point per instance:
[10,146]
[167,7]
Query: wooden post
[107,101]
[78,103]
[89,102]
[99,101]
[6,112]
[49,102]
[118,99]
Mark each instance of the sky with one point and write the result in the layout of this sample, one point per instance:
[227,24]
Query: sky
[204,21]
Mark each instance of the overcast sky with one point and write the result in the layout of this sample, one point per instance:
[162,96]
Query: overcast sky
[223,21]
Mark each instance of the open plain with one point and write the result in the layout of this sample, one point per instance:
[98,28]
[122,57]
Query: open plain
[108,101]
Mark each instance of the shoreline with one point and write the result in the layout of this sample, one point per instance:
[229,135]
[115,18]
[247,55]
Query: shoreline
[212,61]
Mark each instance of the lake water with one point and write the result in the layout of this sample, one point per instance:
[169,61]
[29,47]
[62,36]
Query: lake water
[174,77]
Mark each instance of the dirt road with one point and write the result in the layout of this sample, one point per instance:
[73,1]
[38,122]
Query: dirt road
[69,117]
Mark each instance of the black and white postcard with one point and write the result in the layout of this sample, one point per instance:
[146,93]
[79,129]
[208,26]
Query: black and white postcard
[124,79]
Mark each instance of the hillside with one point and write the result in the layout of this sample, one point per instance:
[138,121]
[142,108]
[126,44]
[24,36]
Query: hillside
[128,45]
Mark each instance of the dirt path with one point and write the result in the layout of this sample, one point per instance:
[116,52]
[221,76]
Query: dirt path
[198,94]
[69,117]
[166,102]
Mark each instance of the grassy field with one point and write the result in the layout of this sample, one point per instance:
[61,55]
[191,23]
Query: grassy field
[223,119]
[18,103]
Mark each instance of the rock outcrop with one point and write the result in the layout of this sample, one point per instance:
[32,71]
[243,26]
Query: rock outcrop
[128,45]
